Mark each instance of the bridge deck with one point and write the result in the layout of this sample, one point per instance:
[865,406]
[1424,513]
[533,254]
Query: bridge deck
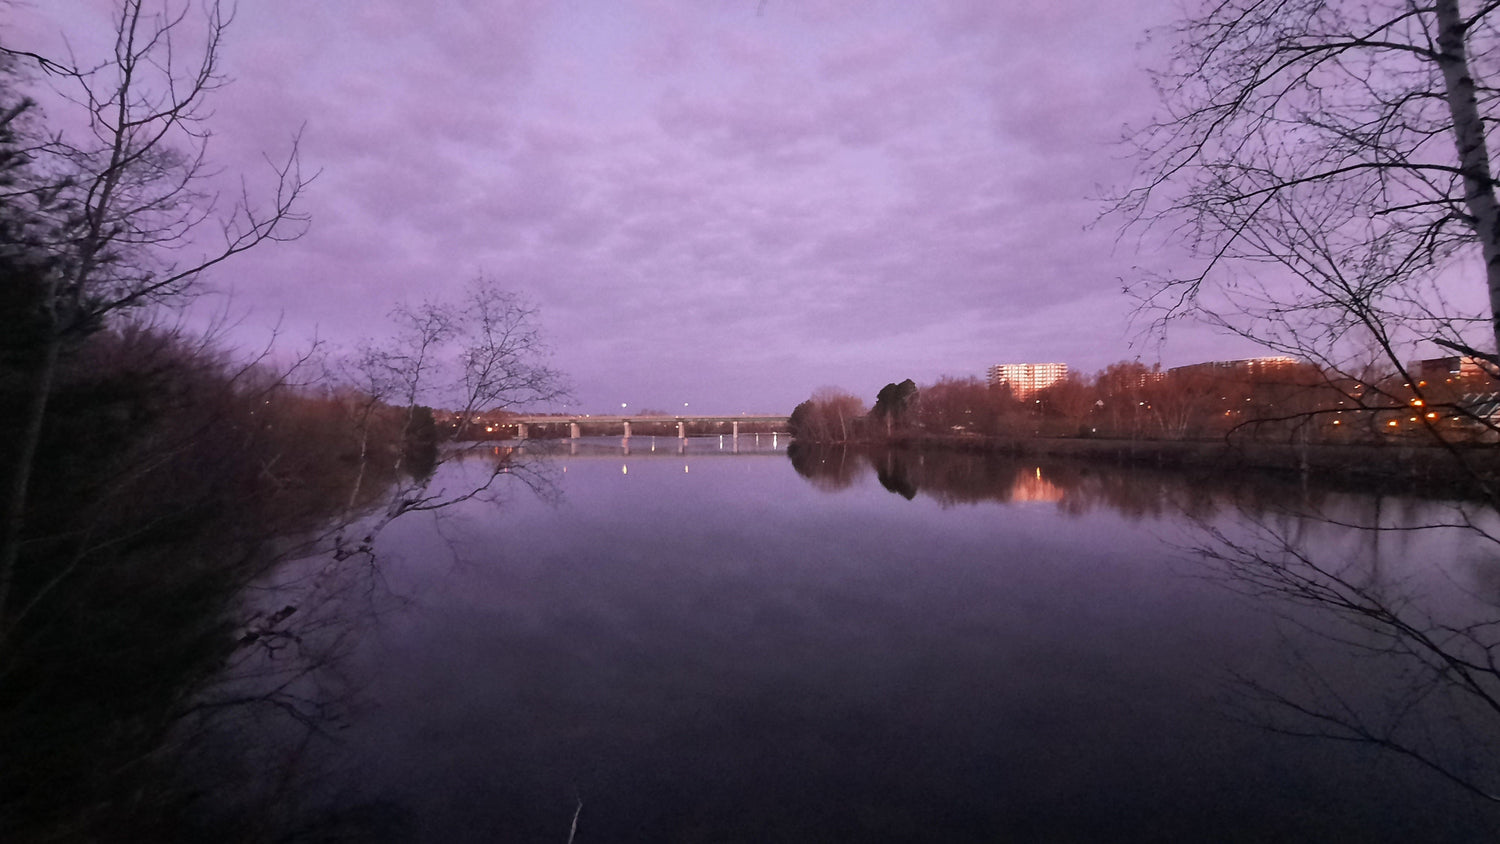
[616,420]
[575,423]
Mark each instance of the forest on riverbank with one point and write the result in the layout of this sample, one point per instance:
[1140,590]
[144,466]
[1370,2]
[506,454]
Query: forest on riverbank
[1277,401]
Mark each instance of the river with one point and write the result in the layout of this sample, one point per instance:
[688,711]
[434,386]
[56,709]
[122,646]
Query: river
[708,643]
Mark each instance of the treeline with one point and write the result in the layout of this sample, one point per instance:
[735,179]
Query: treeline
[1270,402]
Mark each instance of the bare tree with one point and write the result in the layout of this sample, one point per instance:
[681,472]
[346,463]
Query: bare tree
[966,405]
[484,352]
[1302,131]
[1327,163]
[124,208]
[831,415]
[503,359]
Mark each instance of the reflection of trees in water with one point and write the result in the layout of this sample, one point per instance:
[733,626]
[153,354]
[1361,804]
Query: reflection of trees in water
[1391,605]
[1076,487]
[827,467]
[1402,605]
[250,738]
[273,711]
[198,606]
[896,473]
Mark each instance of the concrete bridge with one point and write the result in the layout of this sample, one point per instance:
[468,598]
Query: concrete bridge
[521,423]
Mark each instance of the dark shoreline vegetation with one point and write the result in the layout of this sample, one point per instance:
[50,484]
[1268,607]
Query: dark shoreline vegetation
[168,480]
[172,482]
[151,479]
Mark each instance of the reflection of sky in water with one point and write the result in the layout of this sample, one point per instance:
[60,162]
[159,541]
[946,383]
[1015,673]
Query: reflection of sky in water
[713,648]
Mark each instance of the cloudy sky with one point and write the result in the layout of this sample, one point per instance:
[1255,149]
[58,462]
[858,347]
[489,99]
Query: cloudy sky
[727,204]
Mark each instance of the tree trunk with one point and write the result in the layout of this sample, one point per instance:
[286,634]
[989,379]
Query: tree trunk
[1473,151]
[20,479]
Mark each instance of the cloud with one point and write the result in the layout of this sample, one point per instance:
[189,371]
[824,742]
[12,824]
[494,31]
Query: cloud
[827,189]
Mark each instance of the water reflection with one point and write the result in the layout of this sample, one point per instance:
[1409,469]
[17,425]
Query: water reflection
[1398,628]
[728,654]
[187,709]
[103,662]
[704,646]
[953,478]
[1389,605]
[1076,487]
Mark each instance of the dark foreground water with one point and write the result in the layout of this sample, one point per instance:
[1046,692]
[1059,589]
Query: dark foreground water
[706,646]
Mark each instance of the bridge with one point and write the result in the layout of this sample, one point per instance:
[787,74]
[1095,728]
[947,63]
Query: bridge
[520,423]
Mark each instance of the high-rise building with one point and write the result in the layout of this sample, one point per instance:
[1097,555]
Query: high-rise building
[1247,366]
[1439,369]
[1026,378]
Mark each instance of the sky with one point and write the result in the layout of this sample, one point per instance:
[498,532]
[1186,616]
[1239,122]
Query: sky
[720,206]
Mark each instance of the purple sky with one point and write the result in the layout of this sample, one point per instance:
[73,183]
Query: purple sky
[727,204]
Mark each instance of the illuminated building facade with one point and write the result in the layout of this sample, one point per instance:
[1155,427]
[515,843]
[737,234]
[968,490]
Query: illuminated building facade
[1247,366]
[1440,369]
[1026,378]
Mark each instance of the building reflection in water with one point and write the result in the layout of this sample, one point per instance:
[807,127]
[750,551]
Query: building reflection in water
[1034,487]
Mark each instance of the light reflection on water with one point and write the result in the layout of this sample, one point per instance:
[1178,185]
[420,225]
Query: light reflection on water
[705,646]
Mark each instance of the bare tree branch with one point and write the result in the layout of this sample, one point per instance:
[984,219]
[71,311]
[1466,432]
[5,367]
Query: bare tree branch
[121,208]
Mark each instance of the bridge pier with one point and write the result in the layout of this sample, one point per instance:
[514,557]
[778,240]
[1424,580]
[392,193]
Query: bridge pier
[573,430]
[520,430]
[735,426]
[627,429]
[681,430]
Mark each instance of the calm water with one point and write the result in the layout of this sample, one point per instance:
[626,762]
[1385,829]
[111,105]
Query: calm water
[707,646]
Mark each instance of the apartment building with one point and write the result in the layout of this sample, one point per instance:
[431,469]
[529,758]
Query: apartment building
[1027,378]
